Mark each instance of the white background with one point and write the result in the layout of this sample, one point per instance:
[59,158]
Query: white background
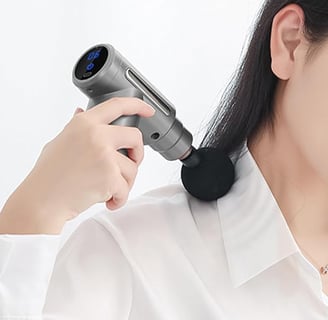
[188,49]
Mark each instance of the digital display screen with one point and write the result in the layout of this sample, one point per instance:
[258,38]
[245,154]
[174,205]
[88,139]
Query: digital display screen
[91,63]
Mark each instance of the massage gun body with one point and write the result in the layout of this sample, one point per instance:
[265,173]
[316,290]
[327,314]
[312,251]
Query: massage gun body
[102,73]
[117,77]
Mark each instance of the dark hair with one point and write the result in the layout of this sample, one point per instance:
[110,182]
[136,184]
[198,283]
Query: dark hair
[247,102]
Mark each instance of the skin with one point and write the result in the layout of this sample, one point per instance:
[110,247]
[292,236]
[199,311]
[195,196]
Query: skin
[78,168]
[293,157]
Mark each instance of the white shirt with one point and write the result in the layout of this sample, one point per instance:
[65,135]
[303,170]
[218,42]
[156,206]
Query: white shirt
[168,256]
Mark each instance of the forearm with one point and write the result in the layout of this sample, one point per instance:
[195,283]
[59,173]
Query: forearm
[13,223]
[29,240]
[27,212]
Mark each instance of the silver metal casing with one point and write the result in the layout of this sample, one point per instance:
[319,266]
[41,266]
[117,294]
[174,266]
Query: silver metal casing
[163,132]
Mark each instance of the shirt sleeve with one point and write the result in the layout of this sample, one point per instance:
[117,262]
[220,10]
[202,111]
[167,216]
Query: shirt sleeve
[26,263]
[91,279]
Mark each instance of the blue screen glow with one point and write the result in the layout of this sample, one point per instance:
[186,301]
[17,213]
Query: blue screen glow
[94,55]
[90,66]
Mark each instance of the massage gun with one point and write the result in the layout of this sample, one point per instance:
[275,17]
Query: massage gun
[102,73]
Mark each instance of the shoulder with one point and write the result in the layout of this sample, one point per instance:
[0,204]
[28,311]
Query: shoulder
[155,224]
[149,210]
[162,214]
[153,207]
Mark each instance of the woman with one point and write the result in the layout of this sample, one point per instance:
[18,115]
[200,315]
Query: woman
[257,253]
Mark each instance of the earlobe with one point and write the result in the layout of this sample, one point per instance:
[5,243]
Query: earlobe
[286,36]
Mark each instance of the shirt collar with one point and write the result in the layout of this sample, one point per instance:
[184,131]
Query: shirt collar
[254,230]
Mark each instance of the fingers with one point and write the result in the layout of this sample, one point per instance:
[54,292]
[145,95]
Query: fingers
[121,170]
[129,138]
[112,109]
[120,196]
[129,169]
[123,182]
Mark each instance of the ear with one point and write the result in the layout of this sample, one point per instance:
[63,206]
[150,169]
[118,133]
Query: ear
[286,36]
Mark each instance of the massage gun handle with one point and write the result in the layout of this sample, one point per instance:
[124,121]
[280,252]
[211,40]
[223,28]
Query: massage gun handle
[128,121]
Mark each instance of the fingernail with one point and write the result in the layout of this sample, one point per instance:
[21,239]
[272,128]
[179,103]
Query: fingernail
[152,108]
[77,110]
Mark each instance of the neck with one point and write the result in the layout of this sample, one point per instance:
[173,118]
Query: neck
[298,189]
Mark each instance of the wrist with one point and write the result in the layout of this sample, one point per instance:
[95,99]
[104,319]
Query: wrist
[26,212]
[12,222]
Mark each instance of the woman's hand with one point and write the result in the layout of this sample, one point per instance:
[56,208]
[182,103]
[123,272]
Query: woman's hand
[78,168]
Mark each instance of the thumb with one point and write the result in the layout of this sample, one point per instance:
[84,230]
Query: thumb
[78,110]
